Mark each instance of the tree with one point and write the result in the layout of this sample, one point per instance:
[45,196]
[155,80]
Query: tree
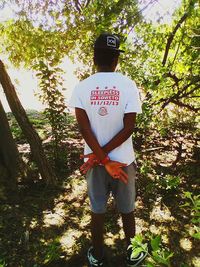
[27,128]
[9,157]
[164,59]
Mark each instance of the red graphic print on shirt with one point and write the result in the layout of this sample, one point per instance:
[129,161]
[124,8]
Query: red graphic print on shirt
[106,97]
[103,111]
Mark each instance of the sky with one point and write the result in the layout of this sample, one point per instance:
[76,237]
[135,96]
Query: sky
[162,8]
[25,81]
[27,87]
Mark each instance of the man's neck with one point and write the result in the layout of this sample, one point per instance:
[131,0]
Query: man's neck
[105,69]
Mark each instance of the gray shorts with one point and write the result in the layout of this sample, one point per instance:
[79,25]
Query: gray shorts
[100,184]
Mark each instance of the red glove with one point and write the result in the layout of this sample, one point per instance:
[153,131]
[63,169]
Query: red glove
[114,168]
[92,161]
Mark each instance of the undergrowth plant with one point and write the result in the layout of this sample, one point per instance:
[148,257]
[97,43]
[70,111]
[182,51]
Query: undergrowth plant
[157,254]
[2,263]
[168,182]
[193,203]
[53,252]
[51,85]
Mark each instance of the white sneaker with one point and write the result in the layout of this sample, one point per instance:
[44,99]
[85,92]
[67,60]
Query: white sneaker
[91,259]
[135,261]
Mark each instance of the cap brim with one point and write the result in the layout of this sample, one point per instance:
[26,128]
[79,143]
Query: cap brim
[110,48]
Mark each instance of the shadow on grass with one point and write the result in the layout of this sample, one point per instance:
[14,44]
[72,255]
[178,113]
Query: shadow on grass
[176,227]
[49,226]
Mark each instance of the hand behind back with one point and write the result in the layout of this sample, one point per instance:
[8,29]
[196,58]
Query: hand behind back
[92,161]
[114,168]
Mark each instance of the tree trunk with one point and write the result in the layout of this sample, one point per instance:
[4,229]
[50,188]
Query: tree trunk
[9,156]
[3,178]
[27,128]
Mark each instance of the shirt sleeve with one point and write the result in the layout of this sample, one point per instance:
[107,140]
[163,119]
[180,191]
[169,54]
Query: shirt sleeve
[75,100]
[133,100]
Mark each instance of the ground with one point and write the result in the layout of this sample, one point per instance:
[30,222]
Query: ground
[49,225]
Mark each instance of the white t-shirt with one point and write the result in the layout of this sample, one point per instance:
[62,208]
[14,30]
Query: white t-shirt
[106,97]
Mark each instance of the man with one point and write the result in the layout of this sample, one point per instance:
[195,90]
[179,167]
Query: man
[105,105]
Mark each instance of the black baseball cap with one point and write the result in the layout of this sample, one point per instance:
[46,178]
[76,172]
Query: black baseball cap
[108,41]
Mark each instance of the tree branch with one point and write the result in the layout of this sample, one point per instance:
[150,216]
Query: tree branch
[190,92]
[177,50]
[176,98]
[171,37]
[78,6]
[87,3]
[196,79]
[181,104]
[174,77]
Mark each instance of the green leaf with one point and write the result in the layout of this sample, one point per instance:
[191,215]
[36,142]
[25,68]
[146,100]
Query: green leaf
[149,264]
[188,195]
[136,251]
[194,220]
[196,235]
[158,258]
[185,205]
[155,243]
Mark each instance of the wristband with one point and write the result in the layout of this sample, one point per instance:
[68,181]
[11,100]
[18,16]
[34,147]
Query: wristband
[105,160]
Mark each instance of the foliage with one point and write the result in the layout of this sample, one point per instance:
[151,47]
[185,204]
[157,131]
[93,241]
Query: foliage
[194,205]
[36,118]
[144,122]
[66,28]
[167,182]
[51,86]
[52,252]
[2,263]
[164,58]
[17,132]
[145,168]
[137,246]
[158,255]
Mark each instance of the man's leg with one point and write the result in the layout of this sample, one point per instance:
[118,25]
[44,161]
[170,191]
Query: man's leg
[128,220]
[97,185]
[125,199]
[97,229]
[129,229]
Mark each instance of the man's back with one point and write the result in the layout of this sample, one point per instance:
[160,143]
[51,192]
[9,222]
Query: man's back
[106,97]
